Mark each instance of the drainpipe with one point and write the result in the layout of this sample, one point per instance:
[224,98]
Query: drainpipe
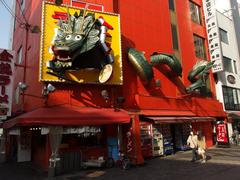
[27,27]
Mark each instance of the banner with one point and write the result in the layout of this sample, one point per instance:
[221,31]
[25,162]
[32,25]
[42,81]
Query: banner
[221,130]
[213,35]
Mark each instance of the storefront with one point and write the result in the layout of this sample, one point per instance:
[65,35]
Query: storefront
[77,136]
[167,135]
[234,127]
[164,129]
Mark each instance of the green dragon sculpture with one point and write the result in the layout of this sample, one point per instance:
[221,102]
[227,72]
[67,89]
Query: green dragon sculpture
[168,59]
[140,64]
[144,69]
[198,75]
[78,43]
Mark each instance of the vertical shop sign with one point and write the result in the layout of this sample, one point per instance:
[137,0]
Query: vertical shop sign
[221,133]
[213,35]
[6,67]
[129,142]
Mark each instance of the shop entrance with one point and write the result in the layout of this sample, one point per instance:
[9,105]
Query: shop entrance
[179,133]
[163,138]
[13,148]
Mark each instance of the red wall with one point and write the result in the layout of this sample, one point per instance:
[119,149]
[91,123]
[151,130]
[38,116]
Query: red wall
[28,70]
[207,130]
[145,25]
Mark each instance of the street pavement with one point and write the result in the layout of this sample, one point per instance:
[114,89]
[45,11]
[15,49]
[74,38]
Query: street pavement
[222,164]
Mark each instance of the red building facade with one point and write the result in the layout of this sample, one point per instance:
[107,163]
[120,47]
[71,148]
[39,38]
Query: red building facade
[144,119]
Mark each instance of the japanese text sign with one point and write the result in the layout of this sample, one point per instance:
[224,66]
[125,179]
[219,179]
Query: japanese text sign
[213,35]
[6,67]
[221,130]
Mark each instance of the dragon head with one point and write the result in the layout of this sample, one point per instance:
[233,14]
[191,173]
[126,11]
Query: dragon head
[78,43]
[74,36]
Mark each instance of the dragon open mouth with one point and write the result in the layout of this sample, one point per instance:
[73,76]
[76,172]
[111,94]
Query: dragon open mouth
[62,53]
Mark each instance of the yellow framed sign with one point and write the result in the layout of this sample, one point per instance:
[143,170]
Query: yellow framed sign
[80,45]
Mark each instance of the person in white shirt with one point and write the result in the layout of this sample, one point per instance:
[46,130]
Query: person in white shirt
[192,142]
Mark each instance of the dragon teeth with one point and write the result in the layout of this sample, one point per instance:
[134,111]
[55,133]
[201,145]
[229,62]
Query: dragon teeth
[63,59]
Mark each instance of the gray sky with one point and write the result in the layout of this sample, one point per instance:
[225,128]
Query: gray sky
[5,23]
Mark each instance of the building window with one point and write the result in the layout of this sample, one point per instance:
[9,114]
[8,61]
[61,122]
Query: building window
[195,13]
[231,98]
[19,56]
[235,66]
[199,44]
[223,35]
[227,64]
[171,5]
[174,37]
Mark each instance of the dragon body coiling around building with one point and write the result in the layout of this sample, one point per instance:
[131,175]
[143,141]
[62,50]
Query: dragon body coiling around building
[198,75]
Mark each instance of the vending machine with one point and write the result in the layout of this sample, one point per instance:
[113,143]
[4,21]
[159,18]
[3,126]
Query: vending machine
[167,139]
[157,140]
[146,139]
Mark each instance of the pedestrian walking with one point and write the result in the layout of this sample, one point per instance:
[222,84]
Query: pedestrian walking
[236,136]
[201,144]
[192,142]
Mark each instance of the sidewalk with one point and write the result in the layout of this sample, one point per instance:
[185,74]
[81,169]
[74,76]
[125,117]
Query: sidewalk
[21,171]
[223,163]
[217,155]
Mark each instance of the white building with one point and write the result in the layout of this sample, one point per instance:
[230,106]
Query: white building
[225,14]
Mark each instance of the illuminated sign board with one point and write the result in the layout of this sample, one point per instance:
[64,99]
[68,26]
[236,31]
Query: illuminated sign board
[80,45]
[6,82]
[221,131]
[213,35]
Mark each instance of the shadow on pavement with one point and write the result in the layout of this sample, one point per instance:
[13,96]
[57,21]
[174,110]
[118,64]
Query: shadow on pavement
[221,164]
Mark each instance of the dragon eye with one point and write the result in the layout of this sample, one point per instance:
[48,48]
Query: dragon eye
[68,37]
[78,37]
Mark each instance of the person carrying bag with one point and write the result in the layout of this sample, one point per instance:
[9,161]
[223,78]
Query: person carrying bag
[201,144]
[192,143]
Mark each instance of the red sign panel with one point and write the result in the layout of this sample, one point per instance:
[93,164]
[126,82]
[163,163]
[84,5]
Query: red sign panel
[221,130]
[6,66]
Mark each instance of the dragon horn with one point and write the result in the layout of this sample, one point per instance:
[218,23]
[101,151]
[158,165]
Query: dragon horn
[69,30]
[85,9]
[84,13]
